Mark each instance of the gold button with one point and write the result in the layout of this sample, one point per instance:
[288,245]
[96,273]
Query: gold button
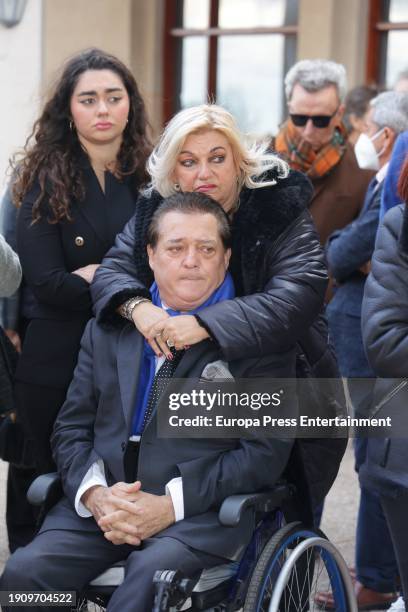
[79,241]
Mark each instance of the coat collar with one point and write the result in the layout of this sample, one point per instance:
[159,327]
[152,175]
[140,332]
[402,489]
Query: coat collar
[191,363]
[94,206]
[268,211]
[191,366]
[263,213]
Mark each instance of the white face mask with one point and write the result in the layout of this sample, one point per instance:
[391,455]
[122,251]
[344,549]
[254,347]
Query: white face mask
[366,154]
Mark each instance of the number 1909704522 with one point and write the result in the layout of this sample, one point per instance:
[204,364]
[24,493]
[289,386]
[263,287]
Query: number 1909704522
[37,598]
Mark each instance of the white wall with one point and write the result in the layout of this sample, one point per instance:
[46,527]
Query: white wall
[20,80]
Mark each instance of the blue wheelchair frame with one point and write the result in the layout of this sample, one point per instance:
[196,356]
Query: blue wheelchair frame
[272,509]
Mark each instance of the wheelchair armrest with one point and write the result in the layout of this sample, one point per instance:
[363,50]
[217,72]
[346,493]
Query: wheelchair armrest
[43,488]
[233,507]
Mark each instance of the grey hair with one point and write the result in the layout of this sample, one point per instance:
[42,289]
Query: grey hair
[391,110]
[314,75]
[251,161]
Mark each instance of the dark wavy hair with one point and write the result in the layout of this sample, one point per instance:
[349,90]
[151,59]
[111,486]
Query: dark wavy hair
[53,151]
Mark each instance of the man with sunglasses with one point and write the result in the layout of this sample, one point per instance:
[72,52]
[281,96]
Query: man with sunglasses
[314,140]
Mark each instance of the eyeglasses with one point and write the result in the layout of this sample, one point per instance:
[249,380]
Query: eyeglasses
[319,121]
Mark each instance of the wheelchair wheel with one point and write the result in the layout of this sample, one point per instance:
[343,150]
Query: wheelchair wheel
[294,566]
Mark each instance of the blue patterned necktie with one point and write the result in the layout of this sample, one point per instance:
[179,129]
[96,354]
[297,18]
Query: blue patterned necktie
[160,383]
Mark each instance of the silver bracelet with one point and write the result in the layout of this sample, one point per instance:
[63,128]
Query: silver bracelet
[128,307]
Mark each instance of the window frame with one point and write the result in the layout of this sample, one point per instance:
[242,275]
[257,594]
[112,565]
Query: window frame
[377,28]
[173,36]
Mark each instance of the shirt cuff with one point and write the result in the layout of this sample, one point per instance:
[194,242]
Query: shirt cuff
[174,488]
[94,476]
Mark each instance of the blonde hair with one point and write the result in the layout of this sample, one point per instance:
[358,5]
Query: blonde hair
[251,161]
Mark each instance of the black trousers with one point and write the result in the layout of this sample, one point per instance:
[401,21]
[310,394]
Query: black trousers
[37,407]
[21,517]
[396,513]
[69,560]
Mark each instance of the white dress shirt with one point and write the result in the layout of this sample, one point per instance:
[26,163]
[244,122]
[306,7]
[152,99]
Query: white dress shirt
[96,476]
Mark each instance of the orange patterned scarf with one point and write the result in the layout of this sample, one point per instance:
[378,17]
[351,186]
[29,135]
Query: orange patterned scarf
[301,156]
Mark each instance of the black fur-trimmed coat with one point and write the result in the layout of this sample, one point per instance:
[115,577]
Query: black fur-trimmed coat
[277,264]
[280,277]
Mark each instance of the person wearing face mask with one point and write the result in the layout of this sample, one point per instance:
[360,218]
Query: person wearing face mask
[349,253]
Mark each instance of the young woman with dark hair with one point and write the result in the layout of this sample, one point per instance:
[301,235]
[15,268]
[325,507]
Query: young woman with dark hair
[56,146]
[76,187]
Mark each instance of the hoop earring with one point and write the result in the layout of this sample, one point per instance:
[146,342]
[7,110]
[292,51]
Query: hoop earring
[177,187]
[71,125]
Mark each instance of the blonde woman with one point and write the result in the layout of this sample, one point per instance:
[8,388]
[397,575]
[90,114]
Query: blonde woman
[277,254]
[277,262]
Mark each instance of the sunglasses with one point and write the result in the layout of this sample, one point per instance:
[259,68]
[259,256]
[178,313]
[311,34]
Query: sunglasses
[319,121]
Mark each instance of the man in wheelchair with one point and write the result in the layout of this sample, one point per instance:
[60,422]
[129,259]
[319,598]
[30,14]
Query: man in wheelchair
[128,494]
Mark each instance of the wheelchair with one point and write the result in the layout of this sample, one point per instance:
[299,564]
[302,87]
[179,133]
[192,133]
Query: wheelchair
[284,566]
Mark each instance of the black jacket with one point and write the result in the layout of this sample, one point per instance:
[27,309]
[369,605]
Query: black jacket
[385,333]
[277,264]
[280,276]
[57,303]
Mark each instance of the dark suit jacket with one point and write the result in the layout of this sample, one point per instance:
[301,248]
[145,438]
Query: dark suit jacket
[339,195]
[347,251]
[95,422]
[56,303]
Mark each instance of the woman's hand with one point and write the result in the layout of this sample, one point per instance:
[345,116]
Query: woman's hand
[181,332]
[145,316]
[87,272]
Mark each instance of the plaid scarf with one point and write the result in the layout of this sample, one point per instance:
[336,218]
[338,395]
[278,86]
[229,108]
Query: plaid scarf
[301,156]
